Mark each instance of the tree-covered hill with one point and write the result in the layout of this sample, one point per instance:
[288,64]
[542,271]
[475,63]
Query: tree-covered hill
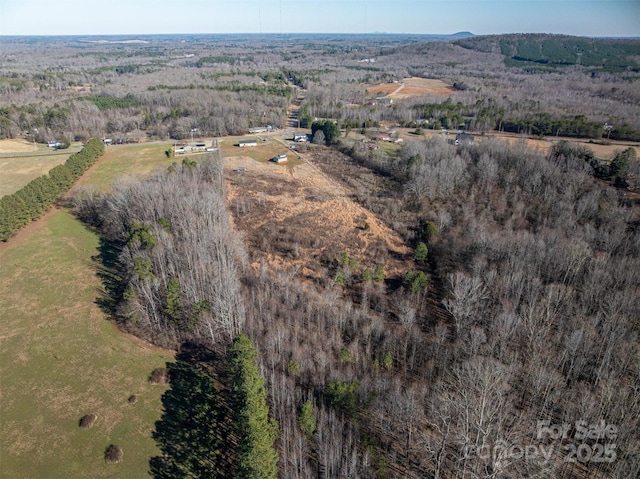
[560,50]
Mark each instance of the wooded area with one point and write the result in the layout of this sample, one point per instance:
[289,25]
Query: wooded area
[510,314]
[168,87]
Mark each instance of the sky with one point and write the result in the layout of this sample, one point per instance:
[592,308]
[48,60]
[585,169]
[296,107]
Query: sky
[618,18]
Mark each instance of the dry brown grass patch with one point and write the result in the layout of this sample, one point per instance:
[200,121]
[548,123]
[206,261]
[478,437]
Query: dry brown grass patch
[411,87]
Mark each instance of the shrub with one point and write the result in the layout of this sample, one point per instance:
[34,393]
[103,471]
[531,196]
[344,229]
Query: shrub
[420,252]
[378,273]
[294,368]
[415,282]
[345,356]
[430,230]
[366,276]
[133,399]
[387,362]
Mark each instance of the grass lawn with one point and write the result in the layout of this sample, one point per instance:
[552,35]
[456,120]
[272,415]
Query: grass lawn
[18,170]
[391,149]
[263,152]
[61,359]
[121,160]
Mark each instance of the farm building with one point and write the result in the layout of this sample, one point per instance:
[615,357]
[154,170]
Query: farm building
[281,158]
[245,143]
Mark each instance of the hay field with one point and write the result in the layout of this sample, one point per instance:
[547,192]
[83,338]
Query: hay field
[127,160]
[61,359]
[16,170]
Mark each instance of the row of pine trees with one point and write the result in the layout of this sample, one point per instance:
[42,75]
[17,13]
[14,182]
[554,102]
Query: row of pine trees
[200,437]
[30,202]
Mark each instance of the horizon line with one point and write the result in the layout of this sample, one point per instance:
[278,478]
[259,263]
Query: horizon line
[311,33]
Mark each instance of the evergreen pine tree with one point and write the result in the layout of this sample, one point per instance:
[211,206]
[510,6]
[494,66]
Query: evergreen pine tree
[256,456]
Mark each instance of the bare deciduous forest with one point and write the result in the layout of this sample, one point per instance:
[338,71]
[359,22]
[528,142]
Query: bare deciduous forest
[503,343]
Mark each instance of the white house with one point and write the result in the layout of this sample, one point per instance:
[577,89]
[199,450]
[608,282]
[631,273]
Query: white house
[245,143]
[384,100]
[464,139]
[281,158]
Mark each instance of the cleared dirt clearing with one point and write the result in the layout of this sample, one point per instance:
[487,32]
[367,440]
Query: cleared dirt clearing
[411,87]
[299,218]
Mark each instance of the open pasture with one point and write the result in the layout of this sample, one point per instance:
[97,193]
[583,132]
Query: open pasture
[60,359]
[16,170]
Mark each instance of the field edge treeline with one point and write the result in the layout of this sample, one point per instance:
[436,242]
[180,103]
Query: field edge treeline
[28,203]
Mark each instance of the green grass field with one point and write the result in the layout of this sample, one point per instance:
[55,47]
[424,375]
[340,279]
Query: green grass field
[125,160]
[18,170]
[61,359]
[263,152]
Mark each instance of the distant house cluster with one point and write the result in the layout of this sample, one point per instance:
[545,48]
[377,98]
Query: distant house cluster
[119,141]
[191,149]
[261,129]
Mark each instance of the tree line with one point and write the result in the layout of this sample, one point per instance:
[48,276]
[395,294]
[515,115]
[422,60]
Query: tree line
[28,203]
[529,335]
[179,263]
[216,432]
